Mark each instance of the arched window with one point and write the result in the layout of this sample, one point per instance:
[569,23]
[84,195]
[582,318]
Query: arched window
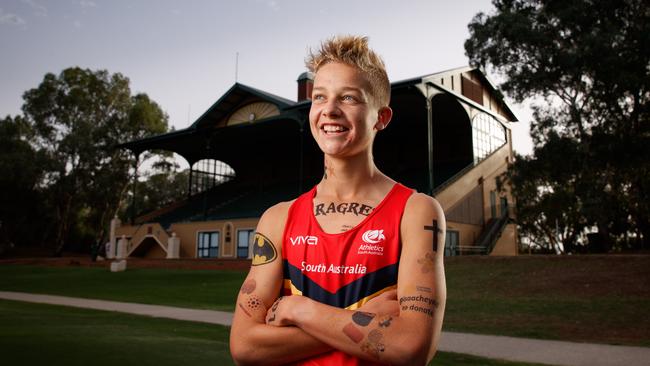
[487,134]
[209,173]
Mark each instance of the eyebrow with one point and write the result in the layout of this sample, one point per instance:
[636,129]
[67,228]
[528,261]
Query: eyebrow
[347,88]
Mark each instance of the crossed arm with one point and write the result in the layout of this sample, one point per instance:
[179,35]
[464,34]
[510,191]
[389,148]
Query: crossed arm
[397,328]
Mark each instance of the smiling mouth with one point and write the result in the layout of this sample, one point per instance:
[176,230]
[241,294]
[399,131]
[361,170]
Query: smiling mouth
[333,129]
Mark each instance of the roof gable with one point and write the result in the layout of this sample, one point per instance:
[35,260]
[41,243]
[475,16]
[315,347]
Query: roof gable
[237,96]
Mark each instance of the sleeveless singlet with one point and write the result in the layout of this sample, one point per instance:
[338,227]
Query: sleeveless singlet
[344,269]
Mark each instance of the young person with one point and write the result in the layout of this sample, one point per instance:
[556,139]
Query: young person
[364,252]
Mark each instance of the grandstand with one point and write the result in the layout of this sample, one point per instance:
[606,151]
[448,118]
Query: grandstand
[450,137]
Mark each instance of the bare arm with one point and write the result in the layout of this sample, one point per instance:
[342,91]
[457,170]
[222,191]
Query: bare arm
[410,338]
[251,340]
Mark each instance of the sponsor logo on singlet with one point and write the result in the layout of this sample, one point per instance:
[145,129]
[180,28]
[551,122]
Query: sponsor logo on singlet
[372,242]
[334,269]
[304,239]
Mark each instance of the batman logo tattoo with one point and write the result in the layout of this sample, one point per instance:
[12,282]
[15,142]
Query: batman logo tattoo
[263,250]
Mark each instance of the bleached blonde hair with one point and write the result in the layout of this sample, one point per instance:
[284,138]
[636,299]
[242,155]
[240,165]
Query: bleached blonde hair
[354,51]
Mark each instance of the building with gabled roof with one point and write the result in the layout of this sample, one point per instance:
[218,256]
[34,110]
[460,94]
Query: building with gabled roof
[450,137]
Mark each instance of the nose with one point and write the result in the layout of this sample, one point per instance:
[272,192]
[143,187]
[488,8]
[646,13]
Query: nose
[331,109]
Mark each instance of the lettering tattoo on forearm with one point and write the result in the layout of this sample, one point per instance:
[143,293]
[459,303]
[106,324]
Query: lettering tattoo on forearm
[324,209]
[436,230]
[423,289]
[274,308]
[419,303]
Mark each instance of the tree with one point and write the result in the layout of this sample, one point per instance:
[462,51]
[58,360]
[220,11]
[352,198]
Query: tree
[164,186]
[77,119]
[588,61]
[22,170]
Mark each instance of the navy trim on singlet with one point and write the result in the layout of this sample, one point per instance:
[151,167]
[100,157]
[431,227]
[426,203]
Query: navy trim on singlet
[353,292]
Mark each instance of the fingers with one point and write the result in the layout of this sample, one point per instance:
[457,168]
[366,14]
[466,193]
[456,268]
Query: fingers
[271,314]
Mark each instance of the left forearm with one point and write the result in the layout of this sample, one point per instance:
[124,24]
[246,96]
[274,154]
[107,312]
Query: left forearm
[383,338]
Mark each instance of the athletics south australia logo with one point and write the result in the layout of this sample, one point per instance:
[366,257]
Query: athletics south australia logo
[372,242]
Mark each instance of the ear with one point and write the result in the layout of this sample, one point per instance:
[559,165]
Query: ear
[384,116]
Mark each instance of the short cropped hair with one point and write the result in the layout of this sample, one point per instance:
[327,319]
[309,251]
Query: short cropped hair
[354,51]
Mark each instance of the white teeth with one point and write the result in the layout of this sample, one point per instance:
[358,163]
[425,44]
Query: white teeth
[333,128]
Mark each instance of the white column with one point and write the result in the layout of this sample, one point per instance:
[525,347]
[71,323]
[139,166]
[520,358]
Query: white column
[173,247]
[121,247]
[112,244]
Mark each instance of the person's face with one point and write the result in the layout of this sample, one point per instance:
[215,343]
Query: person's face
[343,117]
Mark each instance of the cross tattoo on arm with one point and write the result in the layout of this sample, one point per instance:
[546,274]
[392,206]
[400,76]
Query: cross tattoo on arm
[436,230]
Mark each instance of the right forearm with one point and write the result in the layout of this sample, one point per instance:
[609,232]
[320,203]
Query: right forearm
[269,345]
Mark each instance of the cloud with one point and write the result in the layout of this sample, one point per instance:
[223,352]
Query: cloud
[87,4]
[39,9]
[11,19]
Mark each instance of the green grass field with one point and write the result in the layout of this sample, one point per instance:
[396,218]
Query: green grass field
[37,334]
[580,298]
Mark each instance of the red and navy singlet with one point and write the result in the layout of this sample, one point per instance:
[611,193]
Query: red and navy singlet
[343,269]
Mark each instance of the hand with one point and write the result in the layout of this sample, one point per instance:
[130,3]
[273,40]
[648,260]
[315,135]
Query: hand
[281,312]
[384,304]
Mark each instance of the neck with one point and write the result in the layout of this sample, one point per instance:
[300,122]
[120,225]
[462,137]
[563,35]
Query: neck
[345,178]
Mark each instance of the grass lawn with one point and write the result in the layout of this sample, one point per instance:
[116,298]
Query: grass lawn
[37,334]
[201,289]
[581,298]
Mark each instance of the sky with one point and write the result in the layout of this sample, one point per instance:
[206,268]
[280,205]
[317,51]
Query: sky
[186,54]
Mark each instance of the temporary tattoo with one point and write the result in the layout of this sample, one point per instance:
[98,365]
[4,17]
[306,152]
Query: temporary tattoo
[353,333]
[419,303]
[375,336]
[263,250]
[325,170]
[342,208]
[385,320]
[248,286]
[373,345]
[362,318]
[254,303]
[244,309]
[423,289]
[274,308]
[436,230]
[427,263]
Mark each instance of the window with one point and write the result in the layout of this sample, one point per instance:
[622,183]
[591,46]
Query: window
[493,204]
[209,173]
[451,243]
[208,244]
[487,134]
[244,238]
[504,206]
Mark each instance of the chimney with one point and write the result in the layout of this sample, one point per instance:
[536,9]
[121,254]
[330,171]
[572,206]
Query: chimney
[305,86]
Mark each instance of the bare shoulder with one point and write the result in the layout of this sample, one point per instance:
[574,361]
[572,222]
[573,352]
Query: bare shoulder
[273,220]
[425,206]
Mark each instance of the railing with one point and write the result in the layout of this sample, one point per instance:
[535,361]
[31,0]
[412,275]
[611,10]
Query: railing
[491,235]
